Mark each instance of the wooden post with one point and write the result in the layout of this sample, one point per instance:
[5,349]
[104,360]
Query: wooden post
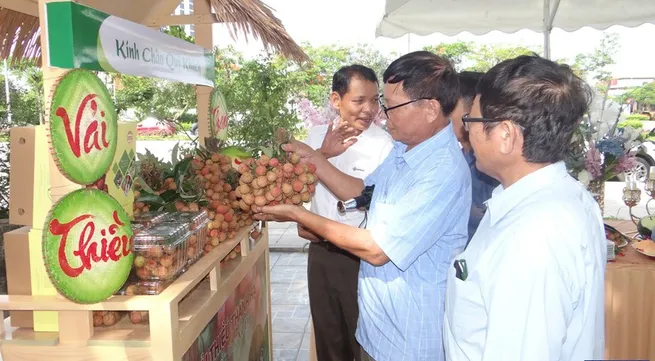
[75,327]
[59,185]
[203,38]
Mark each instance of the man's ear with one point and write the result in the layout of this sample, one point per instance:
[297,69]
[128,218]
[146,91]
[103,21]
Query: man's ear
[434,108]
[335,100]
[509,134]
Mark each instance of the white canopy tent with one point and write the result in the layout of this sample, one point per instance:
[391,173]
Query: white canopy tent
[451,17]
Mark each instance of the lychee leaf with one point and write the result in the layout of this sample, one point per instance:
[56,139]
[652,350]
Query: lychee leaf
[180,170]
[174,155]
[169,196]
[144,185]
[150,199]
[267,150]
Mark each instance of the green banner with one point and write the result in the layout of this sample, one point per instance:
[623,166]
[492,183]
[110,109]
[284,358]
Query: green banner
[82,37]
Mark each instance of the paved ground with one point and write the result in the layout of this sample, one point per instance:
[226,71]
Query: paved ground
[283,237]
[290,306]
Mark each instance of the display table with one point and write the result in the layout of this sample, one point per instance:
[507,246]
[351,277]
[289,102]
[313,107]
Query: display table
[178,315]
[629,303]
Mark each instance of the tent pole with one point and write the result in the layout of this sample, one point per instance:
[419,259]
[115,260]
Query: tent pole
[549,16]
[547,44]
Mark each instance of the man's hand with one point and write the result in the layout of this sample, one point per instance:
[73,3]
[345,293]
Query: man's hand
[339,183]
[338,139]
[306,153]
[308,235]
[357,241]
[279,213]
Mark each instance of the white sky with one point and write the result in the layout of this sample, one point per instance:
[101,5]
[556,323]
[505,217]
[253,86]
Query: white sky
[349,22]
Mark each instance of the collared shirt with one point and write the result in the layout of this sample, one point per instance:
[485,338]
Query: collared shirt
[359,160]
[419,214]
[536,276]
[482,187]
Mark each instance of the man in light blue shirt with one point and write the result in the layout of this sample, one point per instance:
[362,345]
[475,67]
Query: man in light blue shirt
[418,216]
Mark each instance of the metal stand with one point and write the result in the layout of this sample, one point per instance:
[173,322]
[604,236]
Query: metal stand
[632,197]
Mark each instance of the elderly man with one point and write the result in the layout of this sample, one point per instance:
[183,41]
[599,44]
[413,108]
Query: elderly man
[418,216]
[530,285]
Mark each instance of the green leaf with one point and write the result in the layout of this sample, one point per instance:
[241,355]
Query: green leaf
[169,196]
[144,185]
[150,199]
[180,171]
[174,155]
[189,197]
[267,150]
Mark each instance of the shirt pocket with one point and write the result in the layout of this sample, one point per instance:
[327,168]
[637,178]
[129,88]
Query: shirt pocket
[466,308]
[381,214]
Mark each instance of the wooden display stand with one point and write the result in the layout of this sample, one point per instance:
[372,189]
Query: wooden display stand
[177,316]
[44,324]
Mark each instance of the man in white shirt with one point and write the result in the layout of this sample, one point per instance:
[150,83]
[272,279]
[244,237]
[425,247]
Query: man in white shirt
[530,284]
[332,272]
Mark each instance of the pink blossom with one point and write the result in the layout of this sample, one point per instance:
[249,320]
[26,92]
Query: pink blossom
[309,115]
[312,117]
[593,162]
[328,112]
[625,163]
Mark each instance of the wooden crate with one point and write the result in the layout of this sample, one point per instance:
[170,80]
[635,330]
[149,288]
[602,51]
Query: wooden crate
[177,315]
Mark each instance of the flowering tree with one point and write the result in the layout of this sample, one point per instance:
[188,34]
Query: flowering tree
[311,116]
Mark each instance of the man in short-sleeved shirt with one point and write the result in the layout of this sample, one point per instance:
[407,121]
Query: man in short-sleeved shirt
[331,271]
[530,285]
[418,216]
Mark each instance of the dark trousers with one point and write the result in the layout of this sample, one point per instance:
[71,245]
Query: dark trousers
[332,282]
[365,356]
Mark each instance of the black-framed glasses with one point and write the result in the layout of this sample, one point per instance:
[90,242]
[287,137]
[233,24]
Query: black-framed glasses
[466,119]
[387,110]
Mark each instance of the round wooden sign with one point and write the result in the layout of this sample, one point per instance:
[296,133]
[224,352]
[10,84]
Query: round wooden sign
[87,246]
[82,127]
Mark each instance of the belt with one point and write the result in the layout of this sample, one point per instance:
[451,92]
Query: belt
[330,247]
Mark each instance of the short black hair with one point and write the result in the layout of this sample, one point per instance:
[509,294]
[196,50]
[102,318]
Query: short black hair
[426,75]
[341,79]
[468,82]
[545,98]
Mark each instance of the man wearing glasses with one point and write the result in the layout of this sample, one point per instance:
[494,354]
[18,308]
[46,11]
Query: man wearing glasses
[482,185]
[418,216]
[530,285]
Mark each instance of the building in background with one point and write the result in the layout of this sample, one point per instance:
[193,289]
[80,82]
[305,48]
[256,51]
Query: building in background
[620,86]
[186,8]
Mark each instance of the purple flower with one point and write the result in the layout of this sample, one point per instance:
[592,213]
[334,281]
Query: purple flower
[593,162]
[625,163]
